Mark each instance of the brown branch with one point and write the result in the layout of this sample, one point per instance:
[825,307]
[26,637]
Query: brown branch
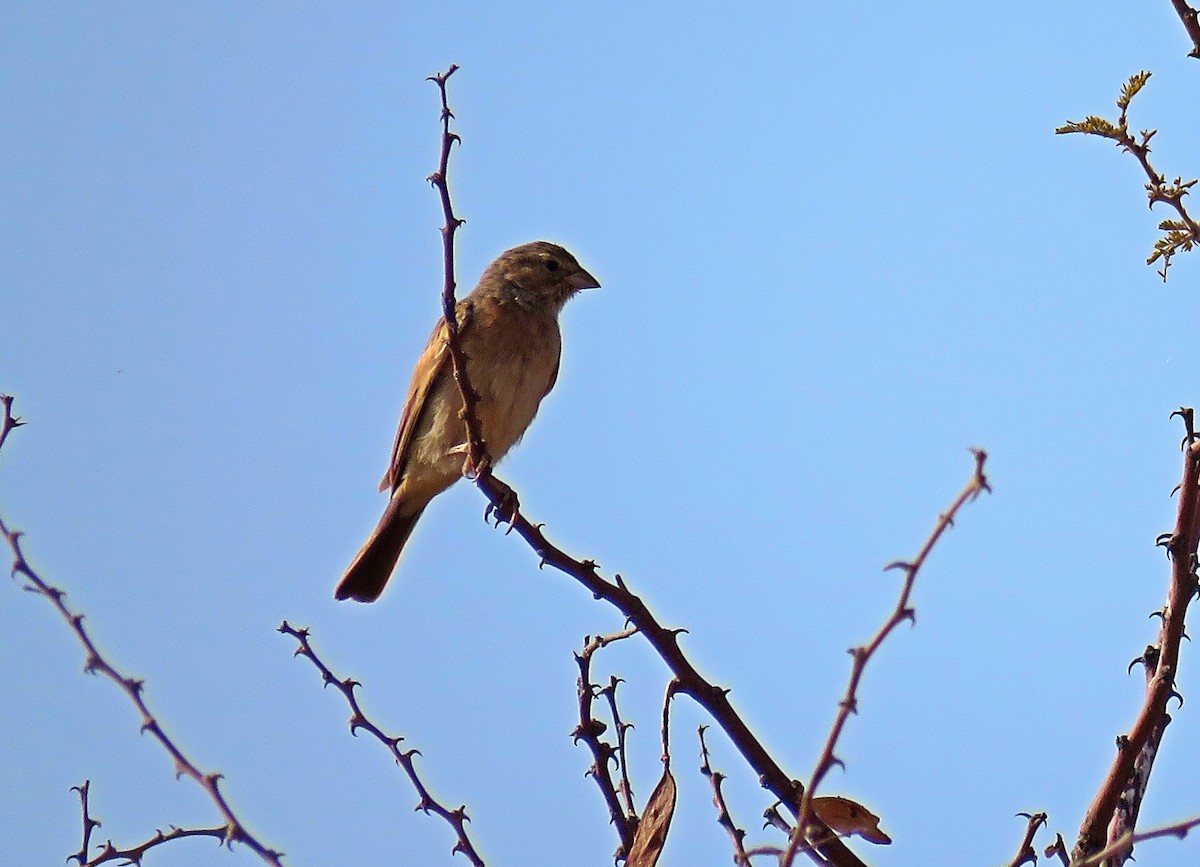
[479,461]
[1059,848]
[427,804]
[1188,16]
[737,836]
[1025,852]
[620,728]
[1162,663]
[862,655]
[95,663]
[664,641]
[109,852]
[589,731]
[10,421]
[1125,844]
[89,824]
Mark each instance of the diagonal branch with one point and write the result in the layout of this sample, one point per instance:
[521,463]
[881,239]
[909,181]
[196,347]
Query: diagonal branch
[862,655]
[1126,843]
[95,663]
[457,819]
[1109,818]
[1188,16]
[664,641]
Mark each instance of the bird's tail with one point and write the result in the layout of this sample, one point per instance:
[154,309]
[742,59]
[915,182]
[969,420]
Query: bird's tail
[372,567]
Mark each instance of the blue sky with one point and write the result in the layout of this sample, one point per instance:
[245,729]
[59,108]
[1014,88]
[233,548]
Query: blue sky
[838,247]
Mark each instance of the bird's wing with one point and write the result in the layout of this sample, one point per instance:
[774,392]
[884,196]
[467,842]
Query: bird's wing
[430,368]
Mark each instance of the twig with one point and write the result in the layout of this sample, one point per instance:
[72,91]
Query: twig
[1125,844]
[1179,235]
[589,731]
[1162,663]
[456,819]
[1026,854]
[235,830]
[862,655]
[620,728]
[478,458]
[1059,848]
[10,421]
[89,824]
[715,778]
[664,641]
[1188,16]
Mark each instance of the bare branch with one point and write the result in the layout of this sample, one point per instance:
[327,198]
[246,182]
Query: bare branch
[457,818]
[737,836]
[89,824]
[1188,16]
[862,655]
[1125,844]
[1025,852]
[10,421]
[620,728]
[1113,813]
[133,855]
[665,641]
[95,663]
[589,731]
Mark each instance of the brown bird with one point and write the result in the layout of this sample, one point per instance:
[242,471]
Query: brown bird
[509,331]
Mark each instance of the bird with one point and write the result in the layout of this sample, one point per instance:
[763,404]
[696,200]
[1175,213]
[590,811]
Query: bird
[508,329]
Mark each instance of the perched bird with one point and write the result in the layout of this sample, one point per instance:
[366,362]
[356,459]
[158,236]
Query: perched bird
[508,327]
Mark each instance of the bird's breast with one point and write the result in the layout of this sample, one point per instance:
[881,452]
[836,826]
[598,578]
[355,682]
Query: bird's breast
[513,363]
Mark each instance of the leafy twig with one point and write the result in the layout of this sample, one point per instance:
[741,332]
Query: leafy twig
[1178,235]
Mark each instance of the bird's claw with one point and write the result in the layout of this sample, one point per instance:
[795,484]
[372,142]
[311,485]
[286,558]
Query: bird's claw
[507,509]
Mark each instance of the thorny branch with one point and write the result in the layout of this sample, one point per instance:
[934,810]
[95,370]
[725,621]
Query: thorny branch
[737,836]
[234,830]
[10,421]
[1111,815]
[478,459]
[1126,843]
[1178,235]
[456,819]
[108,852]
[1188,16]
[1026,854]
[620,728]
[862,655]
[589,730]
[665,641]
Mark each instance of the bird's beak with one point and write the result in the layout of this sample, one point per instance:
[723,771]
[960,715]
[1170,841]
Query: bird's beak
[582,280]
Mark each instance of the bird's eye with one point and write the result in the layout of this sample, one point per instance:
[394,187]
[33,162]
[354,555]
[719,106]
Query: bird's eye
[551,265]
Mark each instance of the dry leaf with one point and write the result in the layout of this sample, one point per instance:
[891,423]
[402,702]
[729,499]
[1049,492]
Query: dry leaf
[656,821]
[848,817]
